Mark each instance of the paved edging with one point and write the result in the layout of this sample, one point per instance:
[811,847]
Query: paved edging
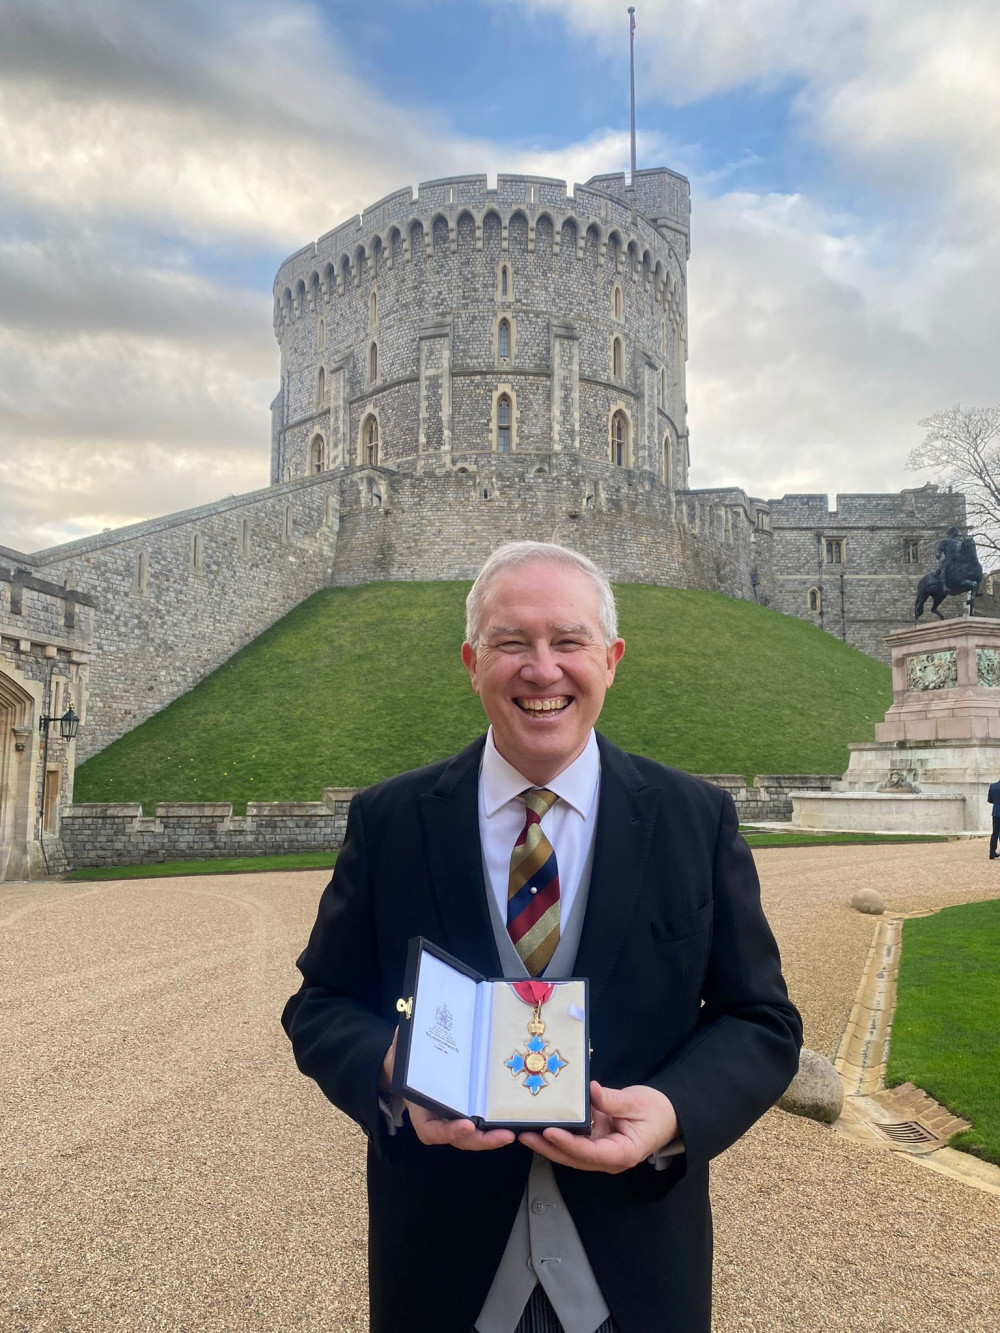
[904,1119]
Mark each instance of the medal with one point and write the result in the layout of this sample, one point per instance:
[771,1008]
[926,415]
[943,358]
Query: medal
[534,1062]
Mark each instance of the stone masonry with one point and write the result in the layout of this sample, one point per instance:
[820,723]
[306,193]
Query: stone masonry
[112,835]
[461,367]
[46,636]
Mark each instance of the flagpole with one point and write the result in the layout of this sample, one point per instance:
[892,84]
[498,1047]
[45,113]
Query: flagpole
[631,80]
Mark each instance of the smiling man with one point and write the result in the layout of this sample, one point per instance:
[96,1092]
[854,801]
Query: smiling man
[638,879]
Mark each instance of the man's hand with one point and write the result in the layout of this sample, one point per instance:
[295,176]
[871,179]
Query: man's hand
[629,1125]
[388,1065]
[431,1129]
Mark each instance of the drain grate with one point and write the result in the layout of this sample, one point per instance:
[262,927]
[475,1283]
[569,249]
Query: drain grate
[908,1131]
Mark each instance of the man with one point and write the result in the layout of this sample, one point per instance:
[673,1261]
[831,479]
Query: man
[993,799]
[657,902]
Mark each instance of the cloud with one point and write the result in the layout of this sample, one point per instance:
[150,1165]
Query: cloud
[152,155]
[73,280]
[686,50]
[922,110]
[255,130]
[812,361]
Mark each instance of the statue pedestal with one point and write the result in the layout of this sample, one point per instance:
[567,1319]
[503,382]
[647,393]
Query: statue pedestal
[938,749]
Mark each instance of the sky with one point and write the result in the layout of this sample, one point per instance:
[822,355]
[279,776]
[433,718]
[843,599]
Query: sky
[159,159]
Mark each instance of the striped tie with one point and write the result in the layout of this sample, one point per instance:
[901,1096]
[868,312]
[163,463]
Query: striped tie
[533,886]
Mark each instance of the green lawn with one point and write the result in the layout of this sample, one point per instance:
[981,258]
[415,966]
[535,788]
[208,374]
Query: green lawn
[242,865]
[946,1032]
[359,683]
[222,865]
[778,839]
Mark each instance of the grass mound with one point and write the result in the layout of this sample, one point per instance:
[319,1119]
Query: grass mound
[945,1037]
[360,683]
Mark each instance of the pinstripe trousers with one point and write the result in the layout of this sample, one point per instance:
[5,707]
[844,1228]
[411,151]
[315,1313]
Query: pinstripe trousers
[539,1317]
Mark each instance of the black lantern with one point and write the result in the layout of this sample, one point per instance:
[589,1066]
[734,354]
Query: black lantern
[69,724]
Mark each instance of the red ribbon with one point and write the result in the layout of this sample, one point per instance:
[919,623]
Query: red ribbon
[533,992]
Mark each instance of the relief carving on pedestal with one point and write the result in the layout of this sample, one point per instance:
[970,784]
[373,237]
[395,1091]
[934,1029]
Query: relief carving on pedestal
[988,666]
[932,671]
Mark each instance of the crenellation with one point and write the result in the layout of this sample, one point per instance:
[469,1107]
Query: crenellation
[425,412]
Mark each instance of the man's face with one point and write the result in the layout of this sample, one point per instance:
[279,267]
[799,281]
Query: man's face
[541,668]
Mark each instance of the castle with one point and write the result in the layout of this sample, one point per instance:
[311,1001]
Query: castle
[458,368]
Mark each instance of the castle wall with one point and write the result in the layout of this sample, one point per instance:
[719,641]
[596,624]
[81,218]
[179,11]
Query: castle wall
[179,595]
[388,460]
[118,835]
[443,525]
[871,590]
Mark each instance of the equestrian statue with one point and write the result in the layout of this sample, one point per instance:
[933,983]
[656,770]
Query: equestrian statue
[958,574]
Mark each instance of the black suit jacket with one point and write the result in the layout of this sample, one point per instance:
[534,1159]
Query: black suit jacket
[686,995]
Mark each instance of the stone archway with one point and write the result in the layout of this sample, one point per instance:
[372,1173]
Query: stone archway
[17,753]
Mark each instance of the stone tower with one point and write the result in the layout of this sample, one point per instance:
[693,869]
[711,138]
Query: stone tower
[443,332]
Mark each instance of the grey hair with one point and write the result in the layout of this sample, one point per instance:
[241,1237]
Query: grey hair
[512,554]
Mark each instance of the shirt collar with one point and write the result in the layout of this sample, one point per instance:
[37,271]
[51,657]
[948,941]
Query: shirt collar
[576,785]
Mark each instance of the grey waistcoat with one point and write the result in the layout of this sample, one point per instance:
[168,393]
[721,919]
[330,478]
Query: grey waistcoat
[544,1244]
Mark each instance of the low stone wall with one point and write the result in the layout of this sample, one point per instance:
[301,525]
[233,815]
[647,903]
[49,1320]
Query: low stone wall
[117,835]
[769,799]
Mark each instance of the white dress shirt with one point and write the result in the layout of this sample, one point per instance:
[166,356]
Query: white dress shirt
[544,1244]
[569,825]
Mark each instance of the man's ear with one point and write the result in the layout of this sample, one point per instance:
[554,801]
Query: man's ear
[615,652]
[469,659]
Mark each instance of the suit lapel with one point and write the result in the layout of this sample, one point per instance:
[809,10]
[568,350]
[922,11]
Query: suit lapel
[449,814]
[625,819]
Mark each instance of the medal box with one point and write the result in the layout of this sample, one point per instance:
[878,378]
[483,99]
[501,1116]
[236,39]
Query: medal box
[512,1053]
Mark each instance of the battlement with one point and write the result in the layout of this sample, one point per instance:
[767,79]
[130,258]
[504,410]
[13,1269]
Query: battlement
[654,214]
[927,505]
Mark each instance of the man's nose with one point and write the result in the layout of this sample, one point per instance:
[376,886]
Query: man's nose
[542,667]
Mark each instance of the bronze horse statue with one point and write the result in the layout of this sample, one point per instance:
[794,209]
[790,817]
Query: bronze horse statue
[958,575]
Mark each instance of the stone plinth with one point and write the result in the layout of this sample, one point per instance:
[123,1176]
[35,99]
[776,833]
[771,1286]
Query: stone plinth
[945,682]
[876,812]
[938,749]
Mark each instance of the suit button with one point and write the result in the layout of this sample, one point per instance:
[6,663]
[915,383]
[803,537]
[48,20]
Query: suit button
[538,1205]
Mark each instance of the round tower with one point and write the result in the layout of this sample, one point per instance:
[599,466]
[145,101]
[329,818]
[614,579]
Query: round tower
[441,332]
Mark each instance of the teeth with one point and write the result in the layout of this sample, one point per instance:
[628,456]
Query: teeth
[543,705]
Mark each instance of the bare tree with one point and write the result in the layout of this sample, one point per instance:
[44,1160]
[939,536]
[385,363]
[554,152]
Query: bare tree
[962,446]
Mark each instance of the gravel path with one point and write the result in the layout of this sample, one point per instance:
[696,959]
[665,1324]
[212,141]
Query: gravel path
[165,1168]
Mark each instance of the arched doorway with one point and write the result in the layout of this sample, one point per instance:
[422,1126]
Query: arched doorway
[17,754]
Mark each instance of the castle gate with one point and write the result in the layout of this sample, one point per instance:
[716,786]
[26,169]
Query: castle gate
[17,745]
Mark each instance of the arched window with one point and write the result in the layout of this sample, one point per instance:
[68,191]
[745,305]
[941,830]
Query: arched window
[373,310]
[666,460]
[617,307]
[287,474]
[504,281]
[373,363]
[317,459]
[369,442]
[503,424]
[141,576]
[503,341]
[289,523]
[815,599]
[197,553]
[320,387]
[320,334]
[619,439]
[616,358]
